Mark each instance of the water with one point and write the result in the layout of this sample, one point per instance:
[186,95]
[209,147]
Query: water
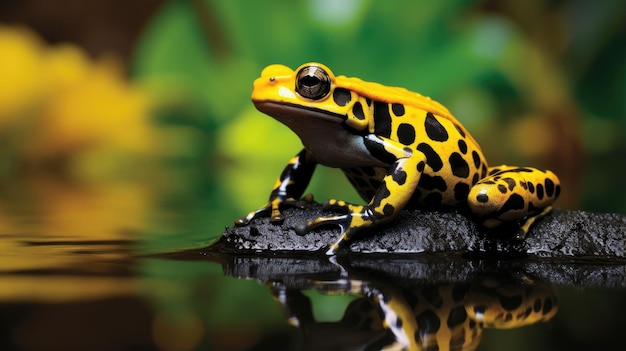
[87,268]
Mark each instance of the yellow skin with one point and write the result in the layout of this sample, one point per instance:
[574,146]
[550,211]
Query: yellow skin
[398,148]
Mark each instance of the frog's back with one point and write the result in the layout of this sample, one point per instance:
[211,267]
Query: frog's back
[397,96]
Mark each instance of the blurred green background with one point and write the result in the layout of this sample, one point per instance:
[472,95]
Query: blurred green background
[132,120]
[157,92]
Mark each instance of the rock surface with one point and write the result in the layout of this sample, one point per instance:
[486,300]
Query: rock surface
[570,248]
[561,234]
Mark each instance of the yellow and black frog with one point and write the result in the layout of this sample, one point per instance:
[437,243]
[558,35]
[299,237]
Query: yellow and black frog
[398,149]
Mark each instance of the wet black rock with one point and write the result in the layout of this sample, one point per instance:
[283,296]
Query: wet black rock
[561,234]
[571,248]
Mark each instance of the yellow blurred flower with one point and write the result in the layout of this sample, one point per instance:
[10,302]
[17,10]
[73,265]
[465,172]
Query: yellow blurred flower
[93,109]
[56,103]
[65,66]
[21,69]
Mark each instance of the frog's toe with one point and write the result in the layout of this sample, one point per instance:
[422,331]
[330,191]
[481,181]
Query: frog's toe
[306,202]
[277,218]
[241,222]
[302,228]
[334,250]
[271,210]
[343,221]
[339,246]
[245,220]
[337,249]
[519,235]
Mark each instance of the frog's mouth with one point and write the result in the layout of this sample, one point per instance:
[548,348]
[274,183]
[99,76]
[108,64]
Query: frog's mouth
[284,112]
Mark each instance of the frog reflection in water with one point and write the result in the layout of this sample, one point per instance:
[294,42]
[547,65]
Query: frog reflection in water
[398,149]
[420,317]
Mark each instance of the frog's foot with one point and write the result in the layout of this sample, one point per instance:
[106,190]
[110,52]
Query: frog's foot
[261,212]
[272,209]
[521,233]
[357,218]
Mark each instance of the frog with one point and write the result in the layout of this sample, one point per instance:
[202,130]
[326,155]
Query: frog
[398,149]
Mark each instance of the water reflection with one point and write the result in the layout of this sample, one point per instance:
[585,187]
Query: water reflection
[394,311]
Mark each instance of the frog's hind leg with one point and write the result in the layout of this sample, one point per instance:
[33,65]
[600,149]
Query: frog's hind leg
[528,222]
[513,195]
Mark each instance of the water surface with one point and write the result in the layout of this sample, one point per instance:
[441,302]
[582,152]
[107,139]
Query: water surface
[83,268]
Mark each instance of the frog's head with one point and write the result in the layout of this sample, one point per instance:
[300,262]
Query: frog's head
[310,94]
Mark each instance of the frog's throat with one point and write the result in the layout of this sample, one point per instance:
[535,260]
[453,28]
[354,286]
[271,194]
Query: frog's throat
[323,134]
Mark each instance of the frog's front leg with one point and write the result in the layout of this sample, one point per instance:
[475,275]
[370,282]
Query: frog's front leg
[287,190]
[514,194]
[396,189]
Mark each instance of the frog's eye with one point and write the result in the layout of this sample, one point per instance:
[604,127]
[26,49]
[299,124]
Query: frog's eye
[312,82]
